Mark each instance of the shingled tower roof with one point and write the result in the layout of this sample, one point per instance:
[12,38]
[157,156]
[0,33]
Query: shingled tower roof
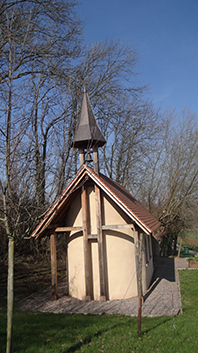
[88,134]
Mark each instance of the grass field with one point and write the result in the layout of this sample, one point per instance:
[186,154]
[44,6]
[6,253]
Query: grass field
[47,333]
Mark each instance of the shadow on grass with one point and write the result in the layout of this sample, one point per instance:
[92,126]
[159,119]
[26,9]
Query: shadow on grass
[130,322]
[39,332]
[88,339]
[43,330]
[163,320]
[83,342]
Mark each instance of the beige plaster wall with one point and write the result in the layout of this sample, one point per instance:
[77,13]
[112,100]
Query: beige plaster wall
[76,271]
[120,253]
[95,268]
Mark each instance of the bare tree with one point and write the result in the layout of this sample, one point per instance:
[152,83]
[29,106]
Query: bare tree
[108,71]
[37,37]
[131,135]
[170,177]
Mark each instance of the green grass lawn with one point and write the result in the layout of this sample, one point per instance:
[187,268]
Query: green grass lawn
[47,333]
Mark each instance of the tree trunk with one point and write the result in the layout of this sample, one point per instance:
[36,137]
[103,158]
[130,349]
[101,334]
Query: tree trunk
[10,295]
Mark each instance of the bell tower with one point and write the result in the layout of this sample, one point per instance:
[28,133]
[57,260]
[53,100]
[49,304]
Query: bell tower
[88,136]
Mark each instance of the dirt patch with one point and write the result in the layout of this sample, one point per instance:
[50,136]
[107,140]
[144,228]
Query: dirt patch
[30,276]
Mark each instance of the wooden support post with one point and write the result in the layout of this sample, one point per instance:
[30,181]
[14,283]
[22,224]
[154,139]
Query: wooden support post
[136,243]
[53,265]
[87,247]
[100,245]
[95,160]
[67,267]
[140,283]
[81,157]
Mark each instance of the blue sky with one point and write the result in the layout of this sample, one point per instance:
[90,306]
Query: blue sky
[165,34]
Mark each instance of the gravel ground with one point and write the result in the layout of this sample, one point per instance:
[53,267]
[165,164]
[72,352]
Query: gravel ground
[162,298]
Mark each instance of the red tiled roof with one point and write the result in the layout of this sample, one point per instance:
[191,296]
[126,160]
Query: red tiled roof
[135,210]
[140,214]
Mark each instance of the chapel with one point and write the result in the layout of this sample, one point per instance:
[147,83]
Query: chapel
[103,224]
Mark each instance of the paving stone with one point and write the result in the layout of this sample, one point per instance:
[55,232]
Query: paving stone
[162,298]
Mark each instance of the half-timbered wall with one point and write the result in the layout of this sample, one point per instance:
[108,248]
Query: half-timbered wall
[118,247]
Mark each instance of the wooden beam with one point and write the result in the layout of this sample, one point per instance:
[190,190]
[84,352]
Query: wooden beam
[53,265]
[92,236]
[67,229]
[87,247]
[118,226]
[100,244]
[81,156]
[53,226]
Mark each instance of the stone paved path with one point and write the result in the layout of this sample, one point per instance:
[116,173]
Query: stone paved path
[162,298]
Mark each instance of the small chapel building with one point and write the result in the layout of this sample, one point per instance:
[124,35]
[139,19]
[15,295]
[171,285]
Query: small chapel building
[102,222]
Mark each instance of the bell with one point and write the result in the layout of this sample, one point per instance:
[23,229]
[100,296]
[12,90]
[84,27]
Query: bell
[89,158]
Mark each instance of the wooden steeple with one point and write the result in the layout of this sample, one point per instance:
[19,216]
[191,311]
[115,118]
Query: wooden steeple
[88,135]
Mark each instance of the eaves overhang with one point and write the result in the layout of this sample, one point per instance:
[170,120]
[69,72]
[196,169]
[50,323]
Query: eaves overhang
[42,226]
